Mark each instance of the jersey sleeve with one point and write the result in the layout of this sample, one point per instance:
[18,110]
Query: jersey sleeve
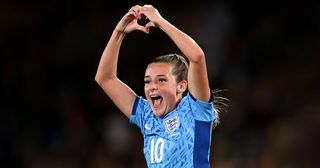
[138,111]
[202,111]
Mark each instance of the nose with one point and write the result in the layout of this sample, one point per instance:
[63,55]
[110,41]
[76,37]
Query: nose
[153,86]
[154,89]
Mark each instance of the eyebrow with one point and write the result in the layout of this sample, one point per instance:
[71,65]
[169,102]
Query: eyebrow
[156,76]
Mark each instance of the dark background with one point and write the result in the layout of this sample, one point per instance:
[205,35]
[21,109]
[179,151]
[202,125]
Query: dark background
[54,115]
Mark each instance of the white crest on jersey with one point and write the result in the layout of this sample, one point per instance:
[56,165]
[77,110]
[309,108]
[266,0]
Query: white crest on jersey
[172,124]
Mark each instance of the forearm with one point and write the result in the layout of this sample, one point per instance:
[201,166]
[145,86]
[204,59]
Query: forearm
[198,83]
[184,42]
[107,68]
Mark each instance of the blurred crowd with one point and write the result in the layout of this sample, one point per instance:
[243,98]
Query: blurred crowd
[264,56]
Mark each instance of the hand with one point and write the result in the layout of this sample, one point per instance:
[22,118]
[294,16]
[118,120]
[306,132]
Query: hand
[151,14]
[129,21]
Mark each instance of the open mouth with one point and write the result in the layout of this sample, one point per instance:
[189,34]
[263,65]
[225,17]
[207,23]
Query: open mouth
[156,101]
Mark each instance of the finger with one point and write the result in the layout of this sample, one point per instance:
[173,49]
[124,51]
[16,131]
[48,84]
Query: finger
[150,24]
[136,10]
[129,17]
[144,29]
[147,6]
[131,13]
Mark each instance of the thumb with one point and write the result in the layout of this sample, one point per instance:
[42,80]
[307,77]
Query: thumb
[143,28]
[150,24]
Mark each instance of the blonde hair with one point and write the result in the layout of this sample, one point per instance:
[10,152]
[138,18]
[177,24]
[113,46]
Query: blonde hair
[220,104]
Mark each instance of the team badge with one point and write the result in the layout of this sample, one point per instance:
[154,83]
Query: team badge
[172,124]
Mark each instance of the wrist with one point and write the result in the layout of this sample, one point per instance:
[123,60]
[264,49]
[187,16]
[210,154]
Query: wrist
[118,33]
[161,23]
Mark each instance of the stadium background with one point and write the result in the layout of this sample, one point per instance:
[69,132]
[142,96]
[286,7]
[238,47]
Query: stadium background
[53,114]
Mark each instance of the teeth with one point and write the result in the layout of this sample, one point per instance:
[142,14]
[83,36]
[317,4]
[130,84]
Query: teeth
[155,97]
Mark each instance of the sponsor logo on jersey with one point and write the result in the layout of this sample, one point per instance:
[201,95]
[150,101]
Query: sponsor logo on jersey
[146,126]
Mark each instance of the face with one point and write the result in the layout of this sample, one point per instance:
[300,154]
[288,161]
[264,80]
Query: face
[161,89]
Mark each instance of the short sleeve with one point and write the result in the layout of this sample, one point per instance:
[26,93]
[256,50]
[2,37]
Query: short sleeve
[202,111]
[138,111]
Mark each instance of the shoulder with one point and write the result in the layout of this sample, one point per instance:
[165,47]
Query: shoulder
[189,98]
[140,104]
[203,111]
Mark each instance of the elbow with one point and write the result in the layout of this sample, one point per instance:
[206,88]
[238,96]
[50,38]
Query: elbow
[198,56]
[98,79]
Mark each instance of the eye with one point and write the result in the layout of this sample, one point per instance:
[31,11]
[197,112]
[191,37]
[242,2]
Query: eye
[161,80]
[146,81]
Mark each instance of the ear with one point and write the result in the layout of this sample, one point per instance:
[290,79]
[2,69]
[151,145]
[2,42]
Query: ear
[182,86]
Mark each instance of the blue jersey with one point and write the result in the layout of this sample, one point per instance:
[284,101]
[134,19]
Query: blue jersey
[181,138]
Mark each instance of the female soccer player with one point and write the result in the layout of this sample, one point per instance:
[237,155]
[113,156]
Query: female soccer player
[176,127]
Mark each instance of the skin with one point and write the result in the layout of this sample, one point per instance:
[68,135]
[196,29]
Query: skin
[159,81]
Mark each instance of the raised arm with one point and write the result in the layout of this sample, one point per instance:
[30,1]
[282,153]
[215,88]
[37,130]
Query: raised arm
[197,75]
[106,75]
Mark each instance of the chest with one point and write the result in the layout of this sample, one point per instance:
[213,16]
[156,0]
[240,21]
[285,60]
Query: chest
[168,140]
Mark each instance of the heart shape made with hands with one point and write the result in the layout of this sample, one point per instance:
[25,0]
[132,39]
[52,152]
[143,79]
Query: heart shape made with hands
[143,20]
